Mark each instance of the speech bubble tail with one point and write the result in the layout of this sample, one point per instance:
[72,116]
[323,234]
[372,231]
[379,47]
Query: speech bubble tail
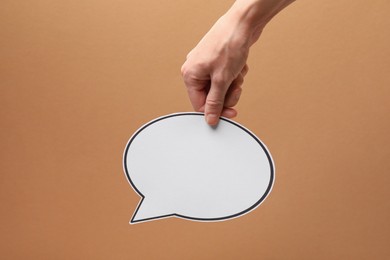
[147,211]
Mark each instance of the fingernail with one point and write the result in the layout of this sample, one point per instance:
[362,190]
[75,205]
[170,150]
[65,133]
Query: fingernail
[212,119]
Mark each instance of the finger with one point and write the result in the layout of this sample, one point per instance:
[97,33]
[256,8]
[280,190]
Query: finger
[234,92]
[229,112]
[215,100]
[197,88]
[233,97]
[244,70]
[197,95]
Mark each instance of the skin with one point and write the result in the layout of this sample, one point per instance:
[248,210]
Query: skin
[214,70]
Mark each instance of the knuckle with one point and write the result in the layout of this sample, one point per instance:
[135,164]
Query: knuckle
[187,75]
[214,104]
[219,80]
[191,72]
[184,70]
[245,70]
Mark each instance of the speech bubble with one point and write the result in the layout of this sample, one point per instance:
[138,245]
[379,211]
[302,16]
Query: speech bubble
[182,167]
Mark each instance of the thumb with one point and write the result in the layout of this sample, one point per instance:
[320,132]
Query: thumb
[215,100]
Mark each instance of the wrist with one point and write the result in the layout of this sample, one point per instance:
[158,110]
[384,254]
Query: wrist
[247,19]
[253,15]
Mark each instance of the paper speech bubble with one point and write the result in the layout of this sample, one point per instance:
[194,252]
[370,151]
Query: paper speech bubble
[182,167]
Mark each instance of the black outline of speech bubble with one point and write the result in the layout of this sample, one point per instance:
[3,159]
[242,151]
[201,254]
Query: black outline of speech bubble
[267,191]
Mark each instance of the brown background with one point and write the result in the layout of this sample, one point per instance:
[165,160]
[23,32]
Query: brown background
[79,77]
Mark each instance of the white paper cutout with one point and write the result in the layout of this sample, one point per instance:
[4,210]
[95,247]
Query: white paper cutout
[182,167]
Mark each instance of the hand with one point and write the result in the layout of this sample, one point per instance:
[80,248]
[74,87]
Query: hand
[214,70]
